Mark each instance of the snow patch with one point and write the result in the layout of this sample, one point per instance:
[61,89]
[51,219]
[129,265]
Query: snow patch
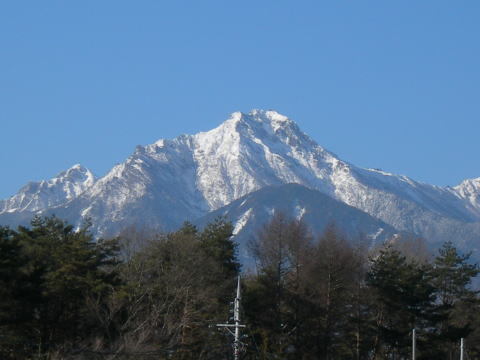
[377,234]
[242,221]
[299,212]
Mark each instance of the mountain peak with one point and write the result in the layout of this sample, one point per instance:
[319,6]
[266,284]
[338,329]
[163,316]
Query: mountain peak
[271,115]
[267,117]
[469,190]
[170,181]
[259,125]
[240,123]
[77,169]
[36,196]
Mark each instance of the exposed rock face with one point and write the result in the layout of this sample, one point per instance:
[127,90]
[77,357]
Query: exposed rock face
[165,183]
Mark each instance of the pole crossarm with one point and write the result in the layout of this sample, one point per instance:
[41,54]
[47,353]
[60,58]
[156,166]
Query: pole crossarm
[230,325]
[236,325]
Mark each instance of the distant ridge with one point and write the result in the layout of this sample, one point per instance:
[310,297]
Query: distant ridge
[165,183]
[252,211]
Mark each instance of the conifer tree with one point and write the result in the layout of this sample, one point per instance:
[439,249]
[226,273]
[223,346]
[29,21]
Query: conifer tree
[404,301]
[64,268]
[216,241]
[452,278]
[14,288]
[10,275]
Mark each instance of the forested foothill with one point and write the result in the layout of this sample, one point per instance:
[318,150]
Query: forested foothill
[145,295]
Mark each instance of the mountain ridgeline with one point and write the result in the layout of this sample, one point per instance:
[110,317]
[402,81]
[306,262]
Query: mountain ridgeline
[241,170]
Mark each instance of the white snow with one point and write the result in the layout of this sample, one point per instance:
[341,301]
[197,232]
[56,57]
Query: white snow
[193,174]
[242,221]
[37,196]
[299,212]
[469,190]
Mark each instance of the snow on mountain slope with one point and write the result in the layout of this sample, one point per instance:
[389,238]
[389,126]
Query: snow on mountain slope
[469,190]
[170,181]
[154,187]
[262,148]
[250,212]
[37,196]
[253,150]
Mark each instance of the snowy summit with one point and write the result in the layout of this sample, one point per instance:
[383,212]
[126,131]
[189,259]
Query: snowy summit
[170,181]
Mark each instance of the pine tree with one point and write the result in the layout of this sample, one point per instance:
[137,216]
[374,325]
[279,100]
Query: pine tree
[177,285]
[404,301]
[452,278]
[11,261]
[14,288]
[64,269]
[216,241]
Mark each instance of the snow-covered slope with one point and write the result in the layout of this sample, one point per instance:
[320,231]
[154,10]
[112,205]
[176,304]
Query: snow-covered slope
[469,190]
[170,181]
[250,212]
[38,196]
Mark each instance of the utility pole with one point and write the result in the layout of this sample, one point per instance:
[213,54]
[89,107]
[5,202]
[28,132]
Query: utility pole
[236,324]
[461,349]
[414,344]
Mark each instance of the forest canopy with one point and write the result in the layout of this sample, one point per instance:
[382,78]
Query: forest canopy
[144,295]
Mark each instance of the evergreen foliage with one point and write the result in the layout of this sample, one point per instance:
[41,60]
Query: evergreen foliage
[65,295]
[452,279]
[404,298]
[61,270]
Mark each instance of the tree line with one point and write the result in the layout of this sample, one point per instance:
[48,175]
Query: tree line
[147,295]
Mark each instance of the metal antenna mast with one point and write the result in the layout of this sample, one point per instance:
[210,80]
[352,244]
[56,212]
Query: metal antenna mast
[414,344]
[236,325]
[461,349]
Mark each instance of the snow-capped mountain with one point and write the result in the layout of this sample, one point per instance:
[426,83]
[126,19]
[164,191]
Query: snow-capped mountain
[469,190]
[38,196]
[170,181]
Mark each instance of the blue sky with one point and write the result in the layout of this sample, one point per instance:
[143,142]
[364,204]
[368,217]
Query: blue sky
[385,84]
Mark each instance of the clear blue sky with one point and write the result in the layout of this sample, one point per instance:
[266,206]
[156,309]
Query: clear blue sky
[385,84]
